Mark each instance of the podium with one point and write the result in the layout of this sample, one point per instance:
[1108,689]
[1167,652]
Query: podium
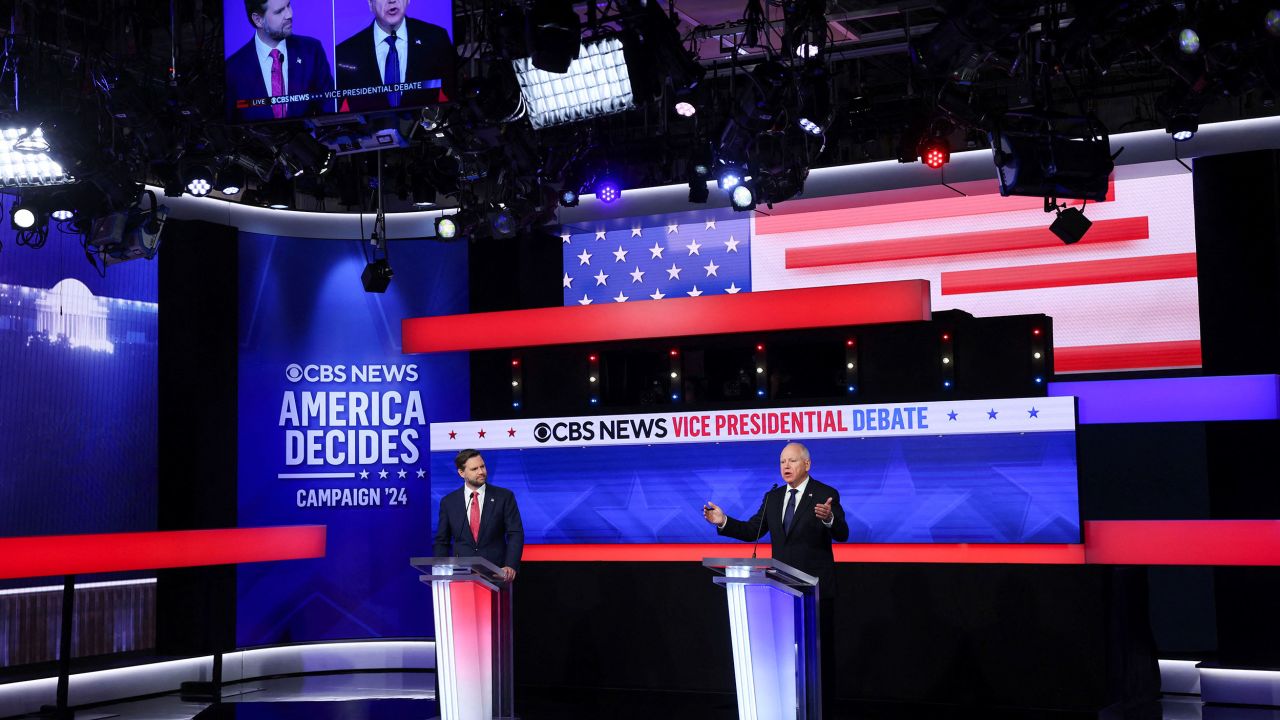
[473,637]
[773,625]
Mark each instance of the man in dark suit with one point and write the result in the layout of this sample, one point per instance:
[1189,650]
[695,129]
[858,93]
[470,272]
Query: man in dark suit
[802,520]
[479,519]
[395,49]
[276,63]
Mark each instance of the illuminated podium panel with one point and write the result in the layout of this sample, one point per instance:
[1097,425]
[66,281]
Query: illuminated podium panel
[473,637]
[773,625]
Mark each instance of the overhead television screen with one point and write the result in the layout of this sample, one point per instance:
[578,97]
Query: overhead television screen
[304,58]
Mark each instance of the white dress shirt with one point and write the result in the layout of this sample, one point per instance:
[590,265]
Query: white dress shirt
[402,50]
[466,498]
[264,62]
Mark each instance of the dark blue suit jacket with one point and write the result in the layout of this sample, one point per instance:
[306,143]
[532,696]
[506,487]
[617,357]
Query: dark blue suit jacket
[501,532]
[431,57]
[308,72]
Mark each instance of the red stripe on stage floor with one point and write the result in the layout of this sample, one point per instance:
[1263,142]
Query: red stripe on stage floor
[1110,542]
[1129,356]
[1092,272]
[970,243]
[886,302]
[959,244]
[891,206]
[47,555]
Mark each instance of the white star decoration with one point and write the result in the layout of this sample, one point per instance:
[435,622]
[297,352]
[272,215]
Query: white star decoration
[673,228]
[601,278]
[637,275]
[635,232]
[599,234]
[657,295]
[655,252]
[620,255]
[401,473]
[733,289]
[584,258]
[422,473]
[568,281]
[620,297]
[731,245]
[695,292]
[565,239]
[693,248]
[364,474]
[382,473]
[711,225]
[711,269]
[585,300]
[673,272]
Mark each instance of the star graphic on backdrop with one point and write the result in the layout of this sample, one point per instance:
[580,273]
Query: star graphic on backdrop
[568,281]
[991,414]
[731,245]
[952,415]
[637,275]
[620,297]
[657,295]
[585,300]
[635,232]
[511,432]
[673,272]
[364,474]
[601,278]
[1033,413]
[638,519]
[711,269]
[655,252]
[382,474]
[599,234]
[711,224]
[565,239]
[422,473]
[695,292]
[481,432]
[453,435]
[620,255]
[693,247]
[584,258]
[402,473]
[673,228]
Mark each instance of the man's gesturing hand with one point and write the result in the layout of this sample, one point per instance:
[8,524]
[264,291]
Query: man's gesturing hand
[713,514]
[823,511]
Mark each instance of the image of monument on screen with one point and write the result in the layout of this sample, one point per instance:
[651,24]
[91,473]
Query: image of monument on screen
[978,471]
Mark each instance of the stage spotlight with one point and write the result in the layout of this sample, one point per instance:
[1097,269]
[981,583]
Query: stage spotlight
[1189,41]
[376,276]
[729,178]
[684,108]
[1272,22]
[553,32]
[1070,225]
[1073,161]
[197,179]
[701,170]
[230,180]
[1182,127]
[22,217]
[608,191]
[742,198]
[568,197]
[935,152]
[277,193]
[597,83]
[502,224]
[446,228]
[698,191]
[810,126]
[25,160]
[304,155]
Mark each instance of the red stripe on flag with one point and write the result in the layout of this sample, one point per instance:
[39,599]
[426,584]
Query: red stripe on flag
[1129,356]
[1183,542]
[42,556]
[891,206]
[899,301]
[931,246]
[1093,272]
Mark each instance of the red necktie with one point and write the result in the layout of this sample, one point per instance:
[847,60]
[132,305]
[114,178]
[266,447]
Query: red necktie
[277,82]
[475,516]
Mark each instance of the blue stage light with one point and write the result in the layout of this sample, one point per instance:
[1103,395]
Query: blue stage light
[569,197]
[1189,41]
[608,191]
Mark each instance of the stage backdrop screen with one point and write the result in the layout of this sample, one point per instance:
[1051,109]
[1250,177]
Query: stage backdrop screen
[78,398]
[334,57]
[333,431]
[981,471]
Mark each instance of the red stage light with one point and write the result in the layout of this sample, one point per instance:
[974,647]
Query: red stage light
[935,152]
[673,353]
[759,348]
[592,358]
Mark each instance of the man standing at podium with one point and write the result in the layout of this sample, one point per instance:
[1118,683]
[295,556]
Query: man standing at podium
[479,519]
[802,520]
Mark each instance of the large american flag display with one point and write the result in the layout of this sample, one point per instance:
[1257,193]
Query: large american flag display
[1122,298]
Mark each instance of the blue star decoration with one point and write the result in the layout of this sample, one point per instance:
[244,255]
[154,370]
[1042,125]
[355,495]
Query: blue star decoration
[991,414]
[952,415]
[1033,413]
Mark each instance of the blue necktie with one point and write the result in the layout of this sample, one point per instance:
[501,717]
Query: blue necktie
[391,72]
[790,512]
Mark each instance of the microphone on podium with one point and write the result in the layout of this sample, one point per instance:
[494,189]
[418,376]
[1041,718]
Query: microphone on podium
[763,511]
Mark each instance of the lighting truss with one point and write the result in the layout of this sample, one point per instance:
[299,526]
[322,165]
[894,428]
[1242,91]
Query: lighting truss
[25,161]
[597,83]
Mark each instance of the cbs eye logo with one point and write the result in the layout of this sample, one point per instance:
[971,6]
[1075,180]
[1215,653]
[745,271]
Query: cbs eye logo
[293,373]
[542,432]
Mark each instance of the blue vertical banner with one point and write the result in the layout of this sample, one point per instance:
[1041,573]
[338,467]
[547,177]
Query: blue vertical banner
[333,430]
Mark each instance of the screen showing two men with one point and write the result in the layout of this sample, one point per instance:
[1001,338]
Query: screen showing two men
[303,58]
[976,471]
